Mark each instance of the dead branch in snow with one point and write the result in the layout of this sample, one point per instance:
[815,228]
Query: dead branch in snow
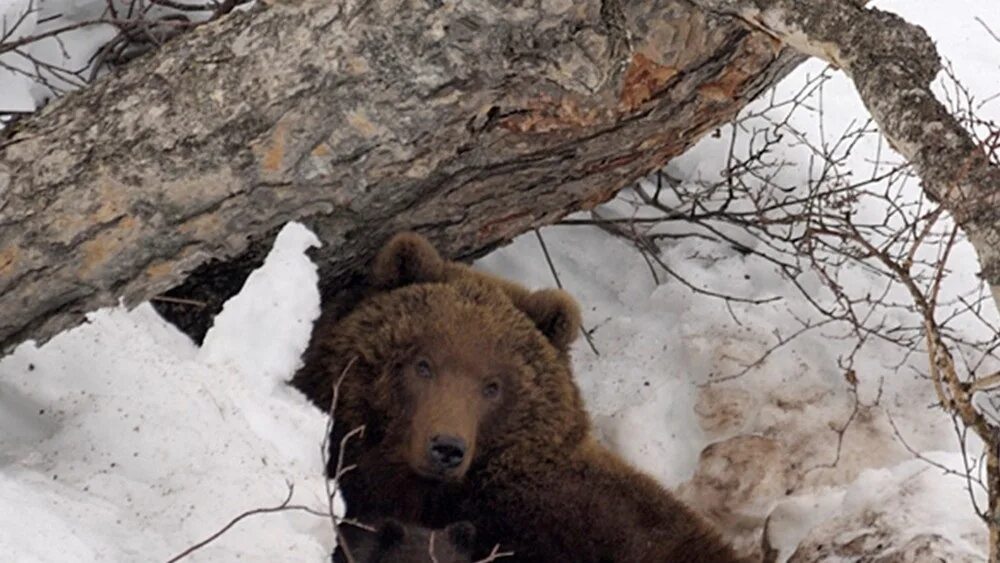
[284,506]
[842,219]
[892,64]
[330,484]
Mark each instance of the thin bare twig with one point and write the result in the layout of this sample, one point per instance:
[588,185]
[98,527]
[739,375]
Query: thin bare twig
[332,483]
[495,554]
[278,508]
[987,28]
[180,301]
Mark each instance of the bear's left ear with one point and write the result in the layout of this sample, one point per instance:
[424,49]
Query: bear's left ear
[407,258]
[556,315]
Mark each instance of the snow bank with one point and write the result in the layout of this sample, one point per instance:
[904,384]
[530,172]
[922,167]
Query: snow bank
[124,442]
[909,512]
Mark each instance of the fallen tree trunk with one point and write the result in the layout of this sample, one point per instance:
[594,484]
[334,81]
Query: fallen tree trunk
[470,122]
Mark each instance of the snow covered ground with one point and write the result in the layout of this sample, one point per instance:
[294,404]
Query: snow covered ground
[121,441]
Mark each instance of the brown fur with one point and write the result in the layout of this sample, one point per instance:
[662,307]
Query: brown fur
[534,480]
[394,542]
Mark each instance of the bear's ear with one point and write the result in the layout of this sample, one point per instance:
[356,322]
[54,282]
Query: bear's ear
[390,534]
[462,535]
[407,258]
[556,315]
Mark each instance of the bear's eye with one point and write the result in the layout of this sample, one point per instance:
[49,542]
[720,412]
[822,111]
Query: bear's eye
[491,390]
[424,369]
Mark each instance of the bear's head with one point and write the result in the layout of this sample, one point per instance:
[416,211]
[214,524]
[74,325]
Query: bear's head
[392,541]
[447,367]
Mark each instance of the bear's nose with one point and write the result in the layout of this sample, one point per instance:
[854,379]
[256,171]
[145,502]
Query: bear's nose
[446,452]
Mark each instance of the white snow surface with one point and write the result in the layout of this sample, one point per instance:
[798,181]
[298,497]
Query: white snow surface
[122,441]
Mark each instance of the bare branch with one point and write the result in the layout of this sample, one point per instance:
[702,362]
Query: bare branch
[987,28]
[954,168]
[495,554]
[279,508]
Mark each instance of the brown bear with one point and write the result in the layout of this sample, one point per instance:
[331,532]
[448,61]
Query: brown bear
[393,542]
[462,382]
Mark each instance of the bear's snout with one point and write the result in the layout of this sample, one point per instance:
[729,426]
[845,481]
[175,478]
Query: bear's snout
[445,452]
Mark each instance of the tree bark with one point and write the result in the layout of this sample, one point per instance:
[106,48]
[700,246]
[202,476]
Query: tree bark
[468,121]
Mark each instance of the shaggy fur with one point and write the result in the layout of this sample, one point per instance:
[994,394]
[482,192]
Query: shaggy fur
[394,542]
[429,346]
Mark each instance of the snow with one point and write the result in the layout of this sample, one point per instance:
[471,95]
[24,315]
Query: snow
[867,518]
[122,441]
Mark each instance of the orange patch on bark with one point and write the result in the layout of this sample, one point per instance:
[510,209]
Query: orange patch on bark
[757,48]
[273,153]
[545,115]
[7,258]
[160,269]
[599,198]
[605,165]
[321,150]
[644,78]
[97,251]
[360,121]
[492,227]
[726,88]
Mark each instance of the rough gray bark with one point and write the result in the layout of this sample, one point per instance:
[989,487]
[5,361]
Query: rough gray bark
[468,121]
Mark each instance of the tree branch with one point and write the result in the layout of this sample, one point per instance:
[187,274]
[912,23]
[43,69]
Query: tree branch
[892,64]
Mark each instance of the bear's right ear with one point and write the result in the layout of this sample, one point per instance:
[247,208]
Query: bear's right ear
[555,313]
[407,258]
